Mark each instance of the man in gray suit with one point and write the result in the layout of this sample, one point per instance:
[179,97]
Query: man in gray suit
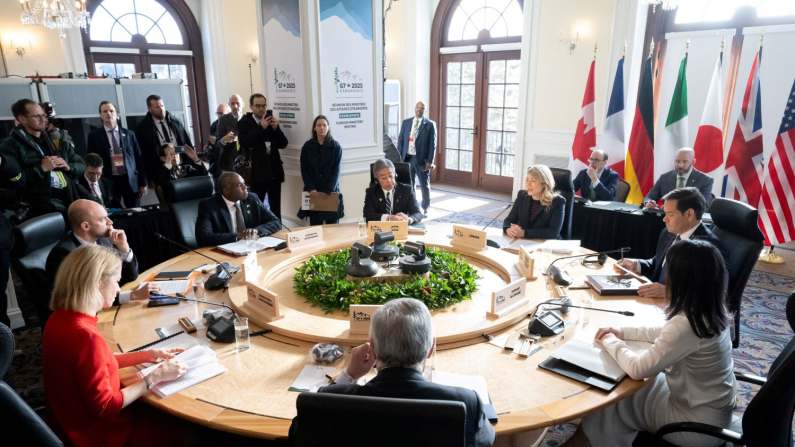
[227,131]
[683,175]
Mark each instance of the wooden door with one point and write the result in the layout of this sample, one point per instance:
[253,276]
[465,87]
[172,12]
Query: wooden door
[499,122]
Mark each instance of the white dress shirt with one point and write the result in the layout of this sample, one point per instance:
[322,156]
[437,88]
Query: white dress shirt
[686,177]
[95,189]
[124,297]
[232,212]
[683,237]
[385,217]
[115,135]
[164,139]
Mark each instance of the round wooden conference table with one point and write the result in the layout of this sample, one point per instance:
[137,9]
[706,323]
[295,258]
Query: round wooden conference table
[252,397]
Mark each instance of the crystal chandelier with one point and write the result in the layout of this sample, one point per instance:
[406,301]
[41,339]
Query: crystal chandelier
[667,5]
[57,15]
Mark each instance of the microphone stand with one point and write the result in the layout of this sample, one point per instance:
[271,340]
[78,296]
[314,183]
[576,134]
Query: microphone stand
[212,281]
[221,329]
[183,297]
[490,242]
[562,277]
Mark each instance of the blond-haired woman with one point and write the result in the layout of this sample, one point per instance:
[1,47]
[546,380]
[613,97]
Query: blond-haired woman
[85,402]
[538,210]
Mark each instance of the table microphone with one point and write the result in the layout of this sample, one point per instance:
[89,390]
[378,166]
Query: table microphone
[216,281]
[562,277]
[221,329]
[281,245]
[490,242]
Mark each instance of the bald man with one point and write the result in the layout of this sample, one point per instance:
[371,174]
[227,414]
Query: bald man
[227,132]
[91,225]
[683,175]
[417,147]
[597,181]
[214,145]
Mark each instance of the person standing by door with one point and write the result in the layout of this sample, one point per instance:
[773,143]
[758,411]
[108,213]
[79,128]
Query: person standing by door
[417,147]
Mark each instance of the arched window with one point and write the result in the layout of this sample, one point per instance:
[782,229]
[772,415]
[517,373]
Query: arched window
[696,11]
[500,18]
[154,36]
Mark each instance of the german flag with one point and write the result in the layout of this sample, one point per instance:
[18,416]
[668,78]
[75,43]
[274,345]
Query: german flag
[639,166]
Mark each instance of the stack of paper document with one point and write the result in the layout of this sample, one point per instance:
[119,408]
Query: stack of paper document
[474,383]
[240,248]
[201,361]
[312,378]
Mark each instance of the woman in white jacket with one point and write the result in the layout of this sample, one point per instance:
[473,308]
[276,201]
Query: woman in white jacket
[688,367]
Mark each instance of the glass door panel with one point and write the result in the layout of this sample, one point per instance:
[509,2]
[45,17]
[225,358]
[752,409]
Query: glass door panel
[501,107]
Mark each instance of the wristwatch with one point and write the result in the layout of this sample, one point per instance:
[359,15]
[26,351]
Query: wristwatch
[149,383]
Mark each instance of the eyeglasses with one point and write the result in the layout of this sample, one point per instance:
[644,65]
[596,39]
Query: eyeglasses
[38,117]
[259,106]
[594,160]
[219,113]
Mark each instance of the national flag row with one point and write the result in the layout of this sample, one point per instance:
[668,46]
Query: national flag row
[745,176]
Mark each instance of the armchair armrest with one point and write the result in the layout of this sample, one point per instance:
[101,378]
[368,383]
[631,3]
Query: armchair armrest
[750,378]
[697,427]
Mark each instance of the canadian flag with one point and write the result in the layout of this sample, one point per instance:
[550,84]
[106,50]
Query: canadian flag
[585,136]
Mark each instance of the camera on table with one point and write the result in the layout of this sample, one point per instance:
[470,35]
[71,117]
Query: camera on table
[382,251]
[417,262]
[360,265]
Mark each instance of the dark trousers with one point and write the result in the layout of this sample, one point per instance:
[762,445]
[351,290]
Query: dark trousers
[316,218]
[271,195]
[424,177]
[121,184]
[5,264]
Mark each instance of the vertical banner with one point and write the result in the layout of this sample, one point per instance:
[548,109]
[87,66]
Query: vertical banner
[284,67]
[346,70]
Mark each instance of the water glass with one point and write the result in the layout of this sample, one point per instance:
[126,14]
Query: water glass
[251,242]
[242,340]
[198,288]
[543,259]
[587,304]
[430,363]
[362,227]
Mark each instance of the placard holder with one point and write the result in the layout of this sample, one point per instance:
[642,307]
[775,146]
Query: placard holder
[361,316]
[305,239]
[469,238]
[508,299]
[526,264]
[249,268]
[262,302]
[399,229]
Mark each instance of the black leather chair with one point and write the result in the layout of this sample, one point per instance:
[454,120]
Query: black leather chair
[565,186]
[379,421]
[34,238]
[183,196]
[390,151]
[18,418]
[737,226]
[767,420]
[403,171]
[622,190]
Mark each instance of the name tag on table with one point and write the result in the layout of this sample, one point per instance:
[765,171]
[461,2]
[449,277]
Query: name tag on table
[262,302]
[299,240]
[508,299]
[526,264]
[468,238]
[399,229]
[250,268]
[361,316]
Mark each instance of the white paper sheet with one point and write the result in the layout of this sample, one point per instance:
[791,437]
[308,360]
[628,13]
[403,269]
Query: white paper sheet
[311,378]
[171,287]
[474,383]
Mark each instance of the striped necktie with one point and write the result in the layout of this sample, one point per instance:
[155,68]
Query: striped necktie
[389,203]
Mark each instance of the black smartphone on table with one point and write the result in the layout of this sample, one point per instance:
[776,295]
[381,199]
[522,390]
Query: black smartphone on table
[163,302]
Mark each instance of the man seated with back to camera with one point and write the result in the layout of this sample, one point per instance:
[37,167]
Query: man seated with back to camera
[173,168]
[683,210]
[389,200]
[233,214]
[101,188]
[401,340]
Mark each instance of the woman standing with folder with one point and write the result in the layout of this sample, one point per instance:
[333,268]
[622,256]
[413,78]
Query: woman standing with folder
[86,405]
[689,365]
[321,162]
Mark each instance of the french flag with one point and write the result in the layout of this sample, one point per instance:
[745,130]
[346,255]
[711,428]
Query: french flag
[613,141]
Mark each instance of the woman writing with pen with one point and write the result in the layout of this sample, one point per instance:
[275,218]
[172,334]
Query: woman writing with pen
[86,404]
[689,364]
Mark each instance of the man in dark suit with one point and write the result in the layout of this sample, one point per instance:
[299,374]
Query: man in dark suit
[401,339]
[683,210]
[120,154]
[91,225]
[174,168]
[684,174]
[228,133]
[233,214]
[389,200]
[159,127]
[417,147]
[101,188]
[597,182]
[214,146]
[10,177]
[261,133]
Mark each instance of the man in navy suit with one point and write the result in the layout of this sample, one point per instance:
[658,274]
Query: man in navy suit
[401,339]
[101,188]
[121,156]
[417,147]
[683,210]
[597,182]
[233,214]
[684,174]
[389,200]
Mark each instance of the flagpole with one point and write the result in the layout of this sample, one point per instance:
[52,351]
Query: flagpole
[770,257]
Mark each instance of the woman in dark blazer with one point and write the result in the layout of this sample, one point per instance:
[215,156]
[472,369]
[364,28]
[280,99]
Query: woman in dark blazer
[321,162]
[538,210]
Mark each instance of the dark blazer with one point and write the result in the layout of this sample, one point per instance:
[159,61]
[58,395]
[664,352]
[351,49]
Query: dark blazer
[133,160]
[667,183]
[187,168]
[227,153]
[320,170]
[150,142]
[655,270]
[109,196]
[404,201]
[406,383]
[425,145]
[605,190]
[214,223]
[264,167]
[10,177]
[546,225]
[68,243]
[215,150]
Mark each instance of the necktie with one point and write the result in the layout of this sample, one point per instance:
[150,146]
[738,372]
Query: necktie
[95,187]
[413,136]
[241,223]
[681,183]
[389,203]
[592,194]
[166,135]
[115,168]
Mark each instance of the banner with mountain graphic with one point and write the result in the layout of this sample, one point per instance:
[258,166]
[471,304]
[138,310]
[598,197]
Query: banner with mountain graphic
[284,67]
[347,78]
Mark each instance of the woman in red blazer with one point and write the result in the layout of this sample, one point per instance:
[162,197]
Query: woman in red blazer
[86,405]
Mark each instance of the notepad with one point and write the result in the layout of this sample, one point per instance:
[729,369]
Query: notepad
[594,359]
[312,378]
[240,247]
[474,383]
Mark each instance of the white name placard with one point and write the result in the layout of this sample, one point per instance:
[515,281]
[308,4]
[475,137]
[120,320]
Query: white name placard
[299,240]
[468,238]
[400,229]
[361,315]
[508,298]
[526,264]
[262,302]
[250,268]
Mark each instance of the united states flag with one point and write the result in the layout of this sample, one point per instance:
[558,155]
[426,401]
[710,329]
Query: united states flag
[777,205]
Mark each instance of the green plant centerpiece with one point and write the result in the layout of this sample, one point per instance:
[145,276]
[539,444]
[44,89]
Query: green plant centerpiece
[322,280]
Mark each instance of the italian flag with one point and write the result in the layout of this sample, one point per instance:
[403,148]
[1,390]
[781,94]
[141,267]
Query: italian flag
[674,136]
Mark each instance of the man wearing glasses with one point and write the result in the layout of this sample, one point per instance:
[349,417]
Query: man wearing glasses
[50,172]
[597,181]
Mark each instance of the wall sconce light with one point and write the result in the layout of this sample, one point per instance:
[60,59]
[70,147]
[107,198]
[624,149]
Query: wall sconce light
[569,41]
[19,45]
[254,55]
